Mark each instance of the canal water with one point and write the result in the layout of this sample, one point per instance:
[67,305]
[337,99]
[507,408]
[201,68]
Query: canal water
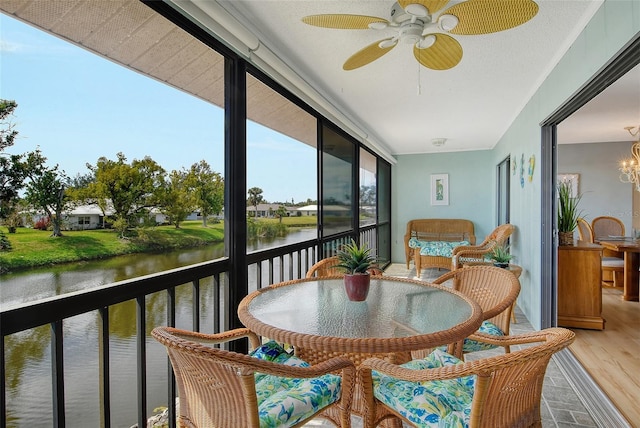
[28,363]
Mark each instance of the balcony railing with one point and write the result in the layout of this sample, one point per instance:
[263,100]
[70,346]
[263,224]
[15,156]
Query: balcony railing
[265,267]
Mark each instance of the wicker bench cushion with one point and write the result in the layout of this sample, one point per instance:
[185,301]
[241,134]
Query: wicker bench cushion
[286,401]
[435,248]
[438,403]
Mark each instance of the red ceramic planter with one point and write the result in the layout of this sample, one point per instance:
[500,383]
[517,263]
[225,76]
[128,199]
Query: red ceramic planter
[357,286]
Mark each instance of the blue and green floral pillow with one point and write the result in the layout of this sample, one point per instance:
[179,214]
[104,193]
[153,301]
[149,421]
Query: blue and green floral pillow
[486,327]
[438,403]
[436,248]
[286,401]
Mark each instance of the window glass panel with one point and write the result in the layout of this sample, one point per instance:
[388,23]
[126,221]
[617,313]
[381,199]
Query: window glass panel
[503,178]
[384,211]
[281,169]
[368,188]
[384,192]
[338,157]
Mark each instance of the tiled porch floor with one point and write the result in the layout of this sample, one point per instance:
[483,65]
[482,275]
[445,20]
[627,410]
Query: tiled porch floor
[561,406]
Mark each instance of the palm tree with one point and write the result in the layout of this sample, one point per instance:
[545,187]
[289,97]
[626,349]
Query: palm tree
[255,197]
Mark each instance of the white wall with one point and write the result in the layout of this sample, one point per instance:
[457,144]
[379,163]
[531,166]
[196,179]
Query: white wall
[613,25]
[471,192]
[602,191]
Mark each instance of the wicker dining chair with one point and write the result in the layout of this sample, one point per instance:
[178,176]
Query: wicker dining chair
[605,226]
[327,267]
[475,253]
[585,232]
[220,388]
[612,266]
[495,290]
[501,391]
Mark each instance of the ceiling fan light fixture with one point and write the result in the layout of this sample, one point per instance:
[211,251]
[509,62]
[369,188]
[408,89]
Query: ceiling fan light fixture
[447,22]
[387,43]
[411,33]
[416,9]
[426,41]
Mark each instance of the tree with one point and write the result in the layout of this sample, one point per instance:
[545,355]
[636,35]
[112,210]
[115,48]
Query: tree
[208,187]
[281,212]
[46,189]
[255,197]
[7,133]
[11,167]
[130,189]
[368,195]
[177,198]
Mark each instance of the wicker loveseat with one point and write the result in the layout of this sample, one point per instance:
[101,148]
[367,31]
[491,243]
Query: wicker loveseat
[429,242]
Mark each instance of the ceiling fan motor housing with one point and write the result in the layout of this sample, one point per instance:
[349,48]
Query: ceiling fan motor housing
[398,14]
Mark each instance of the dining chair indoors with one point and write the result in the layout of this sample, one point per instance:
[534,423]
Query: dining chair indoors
[585,233]
[475,253]
[495,290]
[606,226]
[612,266]
[440,390]
[268,387]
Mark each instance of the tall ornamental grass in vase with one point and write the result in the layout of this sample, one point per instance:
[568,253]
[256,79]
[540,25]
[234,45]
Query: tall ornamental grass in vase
[356,260]
[568,213]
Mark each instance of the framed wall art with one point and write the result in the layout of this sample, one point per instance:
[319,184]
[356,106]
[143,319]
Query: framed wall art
[573,180]
[439,189]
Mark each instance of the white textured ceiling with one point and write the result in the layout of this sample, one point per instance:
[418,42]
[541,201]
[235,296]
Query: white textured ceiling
[403,105]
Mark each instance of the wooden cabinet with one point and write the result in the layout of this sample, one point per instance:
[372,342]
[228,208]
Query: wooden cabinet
[579,286]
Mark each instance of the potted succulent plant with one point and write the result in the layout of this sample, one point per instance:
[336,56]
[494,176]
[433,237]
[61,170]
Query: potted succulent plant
[501,256]
[568,213]
[356,260]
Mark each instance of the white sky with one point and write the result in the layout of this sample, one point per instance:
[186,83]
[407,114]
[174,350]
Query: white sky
[77,107]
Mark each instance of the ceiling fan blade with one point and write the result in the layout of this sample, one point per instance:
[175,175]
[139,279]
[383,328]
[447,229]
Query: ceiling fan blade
[431,5]
[342,21]
[490,16]
[444,54]
[367,55]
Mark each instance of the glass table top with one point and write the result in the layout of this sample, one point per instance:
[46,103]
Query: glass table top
[393,309]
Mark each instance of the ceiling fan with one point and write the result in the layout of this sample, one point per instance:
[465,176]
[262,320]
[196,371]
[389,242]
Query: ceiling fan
[418,22]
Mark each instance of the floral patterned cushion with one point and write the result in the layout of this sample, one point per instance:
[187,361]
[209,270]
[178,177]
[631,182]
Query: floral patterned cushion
[486,327]
[438,403]
[436,248]
[287,401]
[274,352]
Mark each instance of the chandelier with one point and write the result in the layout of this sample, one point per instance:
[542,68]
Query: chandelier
[630,168]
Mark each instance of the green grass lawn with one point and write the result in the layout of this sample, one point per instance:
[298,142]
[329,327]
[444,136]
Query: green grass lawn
[33,248]
[302,221]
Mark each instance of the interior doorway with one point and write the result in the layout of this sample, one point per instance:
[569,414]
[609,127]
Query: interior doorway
[622,63]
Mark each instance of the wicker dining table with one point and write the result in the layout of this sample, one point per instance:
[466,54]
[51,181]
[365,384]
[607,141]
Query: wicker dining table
[399,316]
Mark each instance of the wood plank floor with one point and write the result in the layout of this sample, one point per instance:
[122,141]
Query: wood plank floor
[612,356]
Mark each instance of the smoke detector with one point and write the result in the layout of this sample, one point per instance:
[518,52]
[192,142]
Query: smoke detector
[438,142]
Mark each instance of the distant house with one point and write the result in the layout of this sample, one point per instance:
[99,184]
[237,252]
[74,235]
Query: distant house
[308,210]
[334,210]
[85,217]
[268,210]
[90,216]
